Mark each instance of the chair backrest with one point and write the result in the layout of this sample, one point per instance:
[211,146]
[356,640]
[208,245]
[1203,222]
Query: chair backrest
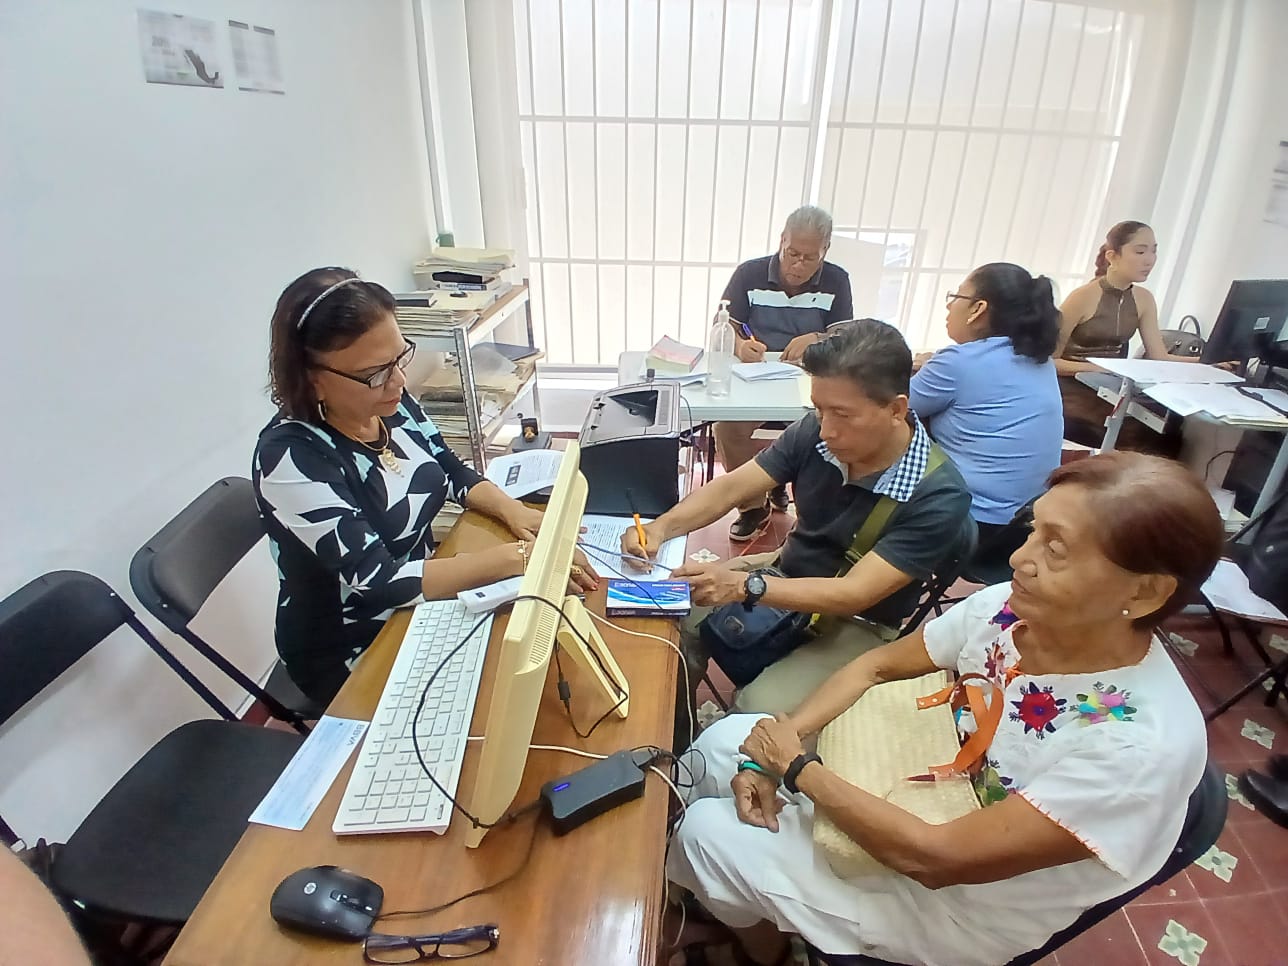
[176,571]
[1204,818]
[944,576]
[47,626]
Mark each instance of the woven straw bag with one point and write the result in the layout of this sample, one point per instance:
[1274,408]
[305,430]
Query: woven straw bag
[876,744]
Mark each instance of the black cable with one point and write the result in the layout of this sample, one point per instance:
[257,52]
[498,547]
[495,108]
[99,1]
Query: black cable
[1208,469]
[415,742]
[430,910]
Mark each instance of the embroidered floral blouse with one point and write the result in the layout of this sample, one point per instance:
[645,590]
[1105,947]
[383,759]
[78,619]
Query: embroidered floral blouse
[1111,756]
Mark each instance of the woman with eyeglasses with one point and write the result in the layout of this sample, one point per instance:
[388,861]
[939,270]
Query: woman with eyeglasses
[991,399]
[349,475]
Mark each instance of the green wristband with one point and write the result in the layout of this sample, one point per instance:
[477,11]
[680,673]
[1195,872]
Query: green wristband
[750,765]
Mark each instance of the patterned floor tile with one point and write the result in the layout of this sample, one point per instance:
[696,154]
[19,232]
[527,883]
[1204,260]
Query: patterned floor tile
[1259,733]
[1181,944]
[1182,644]
[1232,789]
[1220,864]
[1183,933]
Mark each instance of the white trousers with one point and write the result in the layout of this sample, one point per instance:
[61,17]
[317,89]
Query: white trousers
[744,874]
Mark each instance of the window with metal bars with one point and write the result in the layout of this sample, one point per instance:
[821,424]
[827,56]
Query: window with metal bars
[666,140]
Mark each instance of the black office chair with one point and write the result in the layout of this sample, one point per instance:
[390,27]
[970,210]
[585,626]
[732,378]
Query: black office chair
[1204,819]
[176,571]
[151,847]
[990,562]
[1257,550]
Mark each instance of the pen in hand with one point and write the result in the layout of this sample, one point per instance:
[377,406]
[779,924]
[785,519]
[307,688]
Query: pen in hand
[639,524]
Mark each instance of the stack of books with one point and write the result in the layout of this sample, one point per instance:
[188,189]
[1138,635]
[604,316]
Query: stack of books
[428,312]
[671,358]
[464,270]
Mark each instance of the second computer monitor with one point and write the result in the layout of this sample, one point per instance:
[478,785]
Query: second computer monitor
[1253,324]
[544,617]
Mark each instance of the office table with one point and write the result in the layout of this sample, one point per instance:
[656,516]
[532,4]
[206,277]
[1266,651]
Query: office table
[773,400]
[592,896]
[768,401]
[1121,392]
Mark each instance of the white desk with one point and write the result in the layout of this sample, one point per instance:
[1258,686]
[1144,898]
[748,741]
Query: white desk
[774,400]
[1122,401]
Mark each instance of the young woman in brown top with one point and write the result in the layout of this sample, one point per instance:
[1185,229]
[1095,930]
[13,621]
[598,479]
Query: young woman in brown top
[1098,320]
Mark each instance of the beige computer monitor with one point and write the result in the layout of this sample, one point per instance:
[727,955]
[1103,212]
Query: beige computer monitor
[526,646]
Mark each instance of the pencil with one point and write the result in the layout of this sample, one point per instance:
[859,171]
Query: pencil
[639,524]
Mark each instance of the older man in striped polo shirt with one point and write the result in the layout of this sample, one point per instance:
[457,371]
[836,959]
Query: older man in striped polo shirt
[786,301]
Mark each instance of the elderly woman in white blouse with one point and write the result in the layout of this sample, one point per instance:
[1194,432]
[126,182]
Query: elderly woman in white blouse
[1085,780]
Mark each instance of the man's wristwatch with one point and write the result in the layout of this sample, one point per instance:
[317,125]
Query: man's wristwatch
[754,588]
[794,770]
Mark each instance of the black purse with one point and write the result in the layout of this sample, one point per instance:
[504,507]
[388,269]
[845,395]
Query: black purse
[743,640]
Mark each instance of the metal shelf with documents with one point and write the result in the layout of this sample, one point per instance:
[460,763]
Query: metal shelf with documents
[461,340]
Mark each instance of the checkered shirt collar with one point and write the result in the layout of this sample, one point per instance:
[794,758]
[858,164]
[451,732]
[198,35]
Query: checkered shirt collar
[899,480]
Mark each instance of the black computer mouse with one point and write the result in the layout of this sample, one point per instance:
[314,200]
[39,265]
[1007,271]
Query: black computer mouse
[327,901]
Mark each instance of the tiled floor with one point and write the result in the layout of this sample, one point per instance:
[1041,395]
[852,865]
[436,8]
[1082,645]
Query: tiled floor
[1231,907]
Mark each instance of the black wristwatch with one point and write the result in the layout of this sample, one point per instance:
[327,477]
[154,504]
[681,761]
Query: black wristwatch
[794,770]
[754,587]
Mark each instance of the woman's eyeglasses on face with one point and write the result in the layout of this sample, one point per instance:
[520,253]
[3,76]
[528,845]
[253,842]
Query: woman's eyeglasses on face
[950,296]
[457,944]
[380,377]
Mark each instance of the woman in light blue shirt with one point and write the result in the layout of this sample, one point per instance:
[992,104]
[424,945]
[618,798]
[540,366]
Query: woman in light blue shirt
[991,400]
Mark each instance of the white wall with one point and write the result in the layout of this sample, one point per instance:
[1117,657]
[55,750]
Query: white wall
[147,232]
[1227,236]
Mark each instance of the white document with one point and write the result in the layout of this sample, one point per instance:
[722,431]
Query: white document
[688,379]
[602,541]
[761,371]
[1223,402]
[304,782]
[518,474]
[1150,371]
[1228,590]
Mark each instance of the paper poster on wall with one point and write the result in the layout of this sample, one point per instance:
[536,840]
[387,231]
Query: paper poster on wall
[1277,204]
[176,49]
[255,58]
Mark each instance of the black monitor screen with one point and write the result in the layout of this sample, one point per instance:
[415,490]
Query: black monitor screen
[1253,324]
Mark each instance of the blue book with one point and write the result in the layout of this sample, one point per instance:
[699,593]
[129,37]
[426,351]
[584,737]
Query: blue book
[658,598]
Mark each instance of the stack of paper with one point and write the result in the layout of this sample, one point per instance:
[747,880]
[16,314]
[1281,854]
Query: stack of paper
[1226,403]
[601,543]
[463,269]
[671,358]
[763,371]
[429,313]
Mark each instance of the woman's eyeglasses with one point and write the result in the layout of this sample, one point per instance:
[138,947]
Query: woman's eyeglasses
[379,378]
[950,296]
[457,944]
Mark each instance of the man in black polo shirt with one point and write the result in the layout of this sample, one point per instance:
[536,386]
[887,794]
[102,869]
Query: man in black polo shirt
[861,443]
[785,301]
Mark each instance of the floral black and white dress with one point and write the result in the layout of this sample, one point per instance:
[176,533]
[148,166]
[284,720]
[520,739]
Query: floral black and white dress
[349,535]
[1112,757]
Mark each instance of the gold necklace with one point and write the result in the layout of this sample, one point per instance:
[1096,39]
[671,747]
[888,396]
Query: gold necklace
[388,458]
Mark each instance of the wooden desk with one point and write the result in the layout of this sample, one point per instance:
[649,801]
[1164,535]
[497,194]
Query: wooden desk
[593,896]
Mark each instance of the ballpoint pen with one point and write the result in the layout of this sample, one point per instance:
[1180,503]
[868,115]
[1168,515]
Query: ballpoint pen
[746,330]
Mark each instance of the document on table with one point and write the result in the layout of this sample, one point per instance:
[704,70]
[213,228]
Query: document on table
[603,538]
[305,780]
[1223,402]
[1150,371]
[1228,590]
[518,474]
[762,371]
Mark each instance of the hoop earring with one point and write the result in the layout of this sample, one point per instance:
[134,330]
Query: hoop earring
[322,416]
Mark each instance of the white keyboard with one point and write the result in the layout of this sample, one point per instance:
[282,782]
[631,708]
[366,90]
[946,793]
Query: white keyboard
[388,790]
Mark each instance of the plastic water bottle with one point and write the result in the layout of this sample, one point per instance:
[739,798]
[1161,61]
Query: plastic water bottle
[720,353]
